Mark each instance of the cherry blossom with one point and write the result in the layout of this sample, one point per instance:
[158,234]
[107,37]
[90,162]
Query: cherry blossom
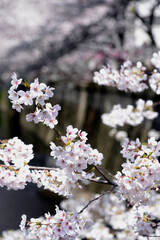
[15,152]
[15,82]
[55,180]
[13,178]
[62,225]
[140,173]
[36,88]
[76,154]
[15,156]
[113,216]
[129,115]
[129,77]
[154,133]
[145,223]
[39,92]
[25,97]
[47,115]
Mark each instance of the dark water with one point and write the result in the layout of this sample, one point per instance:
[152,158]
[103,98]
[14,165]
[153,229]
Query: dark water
[81,107]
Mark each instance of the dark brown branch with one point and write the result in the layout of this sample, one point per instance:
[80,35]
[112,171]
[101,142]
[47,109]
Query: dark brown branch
[105,177]
[107,171]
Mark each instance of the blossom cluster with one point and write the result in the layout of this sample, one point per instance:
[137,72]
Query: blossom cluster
[103,212]
[128,78]
[72,158]
[129,115]
[39,92]
[75,155]
[140,174]
[55,180]
[15,156]
[13,178]
[145,224]
[62,225]
[113,219]
[14,151]
[133,149]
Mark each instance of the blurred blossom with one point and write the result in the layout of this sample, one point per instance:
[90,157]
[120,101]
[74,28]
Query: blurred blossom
[154,133]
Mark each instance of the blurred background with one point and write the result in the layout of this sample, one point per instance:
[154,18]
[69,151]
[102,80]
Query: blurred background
[63,43]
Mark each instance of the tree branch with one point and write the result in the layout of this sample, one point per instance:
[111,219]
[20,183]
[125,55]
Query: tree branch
[148,24]
[105,177]
[107,171]
[94,199]
[30,167]
[12,167]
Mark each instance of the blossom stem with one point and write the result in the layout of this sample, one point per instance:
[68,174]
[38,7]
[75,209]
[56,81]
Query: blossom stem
[58,134]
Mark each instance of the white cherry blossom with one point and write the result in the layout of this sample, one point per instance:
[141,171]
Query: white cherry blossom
[129,78]
[129,115]
[25,97]
[36,88]
[62,225]
[140,173]
[38,93]
[15,82]
[155,60]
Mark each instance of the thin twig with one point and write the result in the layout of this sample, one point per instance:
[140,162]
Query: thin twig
[94,199]
[58,134]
